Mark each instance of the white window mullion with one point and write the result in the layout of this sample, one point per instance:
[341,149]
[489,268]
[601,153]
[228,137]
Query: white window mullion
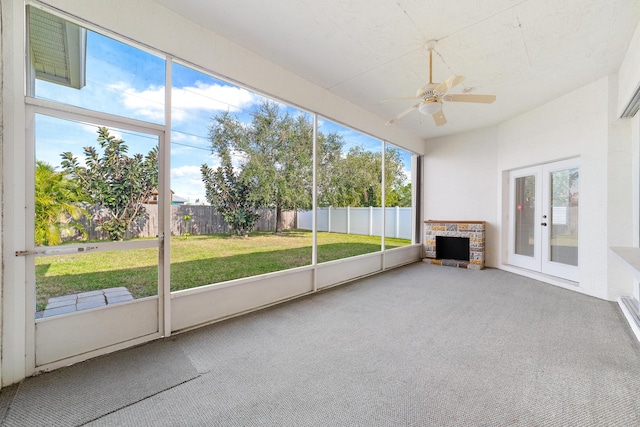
[314,202]
[164,169]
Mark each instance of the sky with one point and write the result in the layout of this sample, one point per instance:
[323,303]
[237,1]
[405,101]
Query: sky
[126,81]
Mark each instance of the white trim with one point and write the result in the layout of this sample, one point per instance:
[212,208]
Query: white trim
[540,261]
[91,247]
[164,200]
[240,281]
[314,203]
[383,196]
[631,318]
[14,329]
[70,112]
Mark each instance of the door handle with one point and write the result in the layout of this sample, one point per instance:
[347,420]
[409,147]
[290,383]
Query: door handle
[543,223]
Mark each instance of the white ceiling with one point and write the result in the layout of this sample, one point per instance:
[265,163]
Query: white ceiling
[526,52]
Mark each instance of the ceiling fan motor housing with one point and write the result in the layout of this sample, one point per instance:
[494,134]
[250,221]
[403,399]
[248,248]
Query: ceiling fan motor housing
[427,91]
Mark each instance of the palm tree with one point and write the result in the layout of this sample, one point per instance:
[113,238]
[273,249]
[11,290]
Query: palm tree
[58,205]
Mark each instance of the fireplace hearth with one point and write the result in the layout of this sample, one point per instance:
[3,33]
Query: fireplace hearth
[455,243]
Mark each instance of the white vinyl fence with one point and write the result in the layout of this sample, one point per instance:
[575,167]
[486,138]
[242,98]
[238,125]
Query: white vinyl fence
[366,221]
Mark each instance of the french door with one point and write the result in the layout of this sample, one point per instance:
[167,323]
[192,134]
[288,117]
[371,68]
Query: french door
[543,228]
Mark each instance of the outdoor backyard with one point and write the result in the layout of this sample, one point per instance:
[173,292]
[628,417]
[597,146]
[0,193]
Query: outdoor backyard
[196,261]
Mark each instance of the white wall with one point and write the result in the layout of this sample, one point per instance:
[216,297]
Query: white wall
[570,126]
[620,198]
[465,176]
[460,181]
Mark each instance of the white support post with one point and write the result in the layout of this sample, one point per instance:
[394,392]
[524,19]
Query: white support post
[397,222]
[18,357]
[370,220]
[314,195]
[348,219]
[164,210]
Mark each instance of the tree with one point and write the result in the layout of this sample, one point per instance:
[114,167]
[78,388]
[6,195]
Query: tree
[397,193]
[117,184]
[230,195]
[356,179]
[276,150]
[58,205]
[405,195]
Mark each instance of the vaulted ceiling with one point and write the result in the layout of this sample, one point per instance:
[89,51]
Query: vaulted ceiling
[526,52]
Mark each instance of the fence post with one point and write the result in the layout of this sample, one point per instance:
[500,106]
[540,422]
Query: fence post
[397,222]
[348,219]
[329,219]
[370,220]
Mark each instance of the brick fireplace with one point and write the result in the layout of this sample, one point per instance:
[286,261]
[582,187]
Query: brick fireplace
[472,232]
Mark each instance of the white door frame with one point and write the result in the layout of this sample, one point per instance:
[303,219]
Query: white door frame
[540,261]
[49,341]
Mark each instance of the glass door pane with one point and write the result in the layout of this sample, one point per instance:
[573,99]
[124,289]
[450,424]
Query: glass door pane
[525,209]
[563,238]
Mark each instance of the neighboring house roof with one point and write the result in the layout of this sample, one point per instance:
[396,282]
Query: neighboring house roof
[177,200]
[58,49]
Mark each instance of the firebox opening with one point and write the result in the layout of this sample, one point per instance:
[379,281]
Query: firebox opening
[452,248]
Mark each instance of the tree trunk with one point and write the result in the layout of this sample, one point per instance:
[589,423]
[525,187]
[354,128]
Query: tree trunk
[279,220]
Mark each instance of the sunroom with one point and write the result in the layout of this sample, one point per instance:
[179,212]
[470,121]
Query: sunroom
[167,91]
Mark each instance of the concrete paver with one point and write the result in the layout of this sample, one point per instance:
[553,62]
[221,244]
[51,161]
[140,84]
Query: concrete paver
[84,301]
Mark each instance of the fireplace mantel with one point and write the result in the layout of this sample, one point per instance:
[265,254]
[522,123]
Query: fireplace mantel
[473,230]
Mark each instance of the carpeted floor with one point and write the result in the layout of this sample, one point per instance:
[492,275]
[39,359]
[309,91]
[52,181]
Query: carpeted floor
[421,345]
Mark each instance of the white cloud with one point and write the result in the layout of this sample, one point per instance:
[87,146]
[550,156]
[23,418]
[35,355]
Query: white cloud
[185,100]
[209,98]
[186,172]
[186,182]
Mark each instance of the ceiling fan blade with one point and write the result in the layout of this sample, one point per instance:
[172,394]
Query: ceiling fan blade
[451,82]
[401,115]
[470,97]
[404,98]
[439,118]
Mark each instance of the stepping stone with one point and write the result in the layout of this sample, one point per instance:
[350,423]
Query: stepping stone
[119,298]
[90,293]
[90,304]
[108,293]
[59,310]
[99,297]
[63,298]
[61,303]
[118,289]
[84,301]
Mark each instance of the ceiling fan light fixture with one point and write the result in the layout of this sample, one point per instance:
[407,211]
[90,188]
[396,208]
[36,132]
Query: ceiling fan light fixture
[430,107]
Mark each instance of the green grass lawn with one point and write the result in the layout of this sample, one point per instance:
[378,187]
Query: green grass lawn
[196,261]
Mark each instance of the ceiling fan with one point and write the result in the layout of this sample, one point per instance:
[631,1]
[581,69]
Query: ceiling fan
[432,95]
